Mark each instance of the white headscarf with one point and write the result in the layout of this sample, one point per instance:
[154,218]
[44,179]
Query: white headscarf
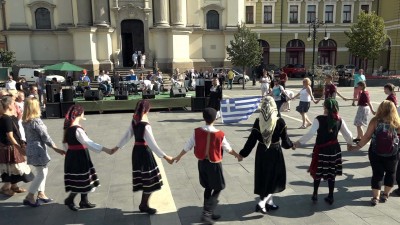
[268,117]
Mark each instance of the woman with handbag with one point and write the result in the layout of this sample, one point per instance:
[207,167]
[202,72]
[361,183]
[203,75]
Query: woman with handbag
[306,96]
[279,95]
[13,166]
[36,151]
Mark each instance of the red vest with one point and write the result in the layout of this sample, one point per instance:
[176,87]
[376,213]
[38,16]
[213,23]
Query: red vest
[208,145]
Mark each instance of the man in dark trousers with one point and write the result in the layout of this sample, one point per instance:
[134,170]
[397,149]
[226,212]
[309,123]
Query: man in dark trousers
[208,143]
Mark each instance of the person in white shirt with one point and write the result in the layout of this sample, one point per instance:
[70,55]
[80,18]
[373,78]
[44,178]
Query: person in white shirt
[265,83]
[79,173]
[104,83]
[142,61]
[147,85]
[11,83]
[146,175]
[135,60]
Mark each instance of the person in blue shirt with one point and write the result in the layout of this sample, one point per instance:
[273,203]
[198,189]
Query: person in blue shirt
[84,83]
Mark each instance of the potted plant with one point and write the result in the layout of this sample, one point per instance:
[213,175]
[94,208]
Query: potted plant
[319,82]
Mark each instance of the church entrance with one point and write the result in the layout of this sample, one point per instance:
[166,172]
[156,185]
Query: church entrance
[132,36]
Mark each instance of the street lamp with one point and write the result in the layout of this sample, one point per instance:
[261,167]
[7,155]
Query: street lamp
[312,35]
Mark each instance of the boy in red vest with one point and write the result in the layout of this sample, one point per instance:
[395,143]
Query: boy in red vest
[208,143]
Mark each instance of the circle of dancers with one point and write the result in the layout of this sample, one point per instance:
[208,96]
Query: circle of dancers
[21,151]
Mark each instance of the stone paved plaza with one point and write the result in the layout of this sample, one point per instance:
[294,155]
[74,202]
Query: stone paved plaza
[180,200]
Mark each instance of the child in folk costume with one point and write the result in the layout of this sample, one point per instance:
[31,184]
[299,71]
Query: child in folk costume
[208,143]
[146,175]
[269,131]
[326,161]
[79,173]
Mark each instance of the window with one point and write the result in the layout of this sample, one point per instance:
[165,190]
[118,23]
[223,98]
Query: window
[329,14]
[365,8]
[249,14]
[42,18]
[311,12]
[347,14]
[294,14]
[212,19]
[268,14]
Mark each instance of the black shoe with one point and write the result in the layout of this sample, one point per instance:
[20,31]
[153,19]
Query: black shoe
[27,202]
[148,210]
[86,205]
[71,205]
[314,198]
[215,216]
[329,200]
[261,210]
[271,207]
[207,219]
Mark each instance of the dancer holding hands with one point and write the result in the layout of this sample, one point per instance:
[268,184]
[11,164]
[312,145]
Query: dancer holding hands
[208,143]
[326,161]
[146,175]
[79,173]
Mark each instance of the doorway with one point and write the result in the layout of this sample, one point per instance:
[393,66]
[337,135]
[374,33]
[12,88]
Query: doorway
[132,36]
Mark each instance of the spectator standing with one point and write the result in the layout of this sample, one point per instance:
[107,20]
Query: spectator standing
[142,61]
[135,59]
[231,75]
[11,84]
[265,84]
[41,86]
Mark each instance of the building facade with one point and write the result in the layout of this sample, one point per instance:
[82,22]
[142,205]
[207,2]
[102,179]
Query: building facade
[103,34]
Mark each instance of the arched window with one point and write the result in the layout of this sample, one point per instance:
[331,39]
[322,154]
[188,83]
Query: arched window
[212,19]
[327,44]
[265,51]
[295,43]
[295,50]
[327,52]
[42,18]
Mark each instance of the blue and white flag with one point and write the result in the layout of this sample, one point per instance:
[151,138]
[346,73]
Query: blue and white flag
[237,109]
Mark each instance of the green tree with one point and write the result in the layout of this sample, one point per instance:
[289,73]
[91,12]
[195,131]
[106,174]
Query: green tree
[244,51]
[367,36]
[7,58]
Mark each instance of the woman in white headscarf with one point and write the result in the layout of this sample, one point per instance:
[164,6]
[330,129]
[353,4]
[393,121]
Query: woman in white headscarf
[269,131]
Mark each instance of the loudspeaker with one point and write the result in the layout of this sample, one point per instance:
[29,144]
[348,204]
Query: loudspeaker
[200,91]
[68,95]
[65,106]
[177,92]
[53,110]
[207,87]
[121,95]
[53,92]
[199,104]
[148,94]
[93,95]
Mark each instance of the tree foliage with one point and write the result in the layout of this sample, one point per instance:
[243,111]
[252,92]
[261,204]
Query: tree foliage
[367,36]
[7,58]
[244,50]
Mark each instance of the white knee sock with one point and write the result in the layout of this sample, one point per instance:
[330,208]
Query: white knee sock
[270,200]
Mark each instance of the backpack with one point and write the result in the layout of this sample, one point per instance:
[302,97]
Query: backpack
[385,141]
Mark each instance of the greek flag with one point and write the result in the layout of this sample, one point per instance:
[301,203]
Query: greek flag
[237,109]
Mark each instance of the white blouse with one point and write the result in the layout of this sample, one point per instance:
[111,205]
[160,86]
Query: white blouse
[148,137]
[304,96]
[344,130]
[209,128]
[82,137]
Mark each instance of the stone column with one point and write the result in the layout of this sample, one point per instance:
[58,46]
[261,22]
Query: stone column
[178,16]
[161,13]
[101,11]
[84,13]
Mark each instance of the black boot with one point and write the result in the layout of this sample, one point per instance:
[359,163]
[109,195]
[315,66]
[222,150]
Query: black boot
[85,202]
[214,203]
[206,217]
[70,202]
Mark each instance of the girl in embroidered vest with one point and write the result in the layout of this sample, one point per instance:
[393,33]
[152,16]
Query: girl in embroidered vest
[145,172]
[326,160]
[208,143]
[79,173]
[270,171]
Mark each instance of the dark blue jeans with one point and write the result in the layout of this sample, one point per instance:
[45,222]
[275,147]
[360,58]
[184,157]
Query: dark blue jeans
[278,106]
